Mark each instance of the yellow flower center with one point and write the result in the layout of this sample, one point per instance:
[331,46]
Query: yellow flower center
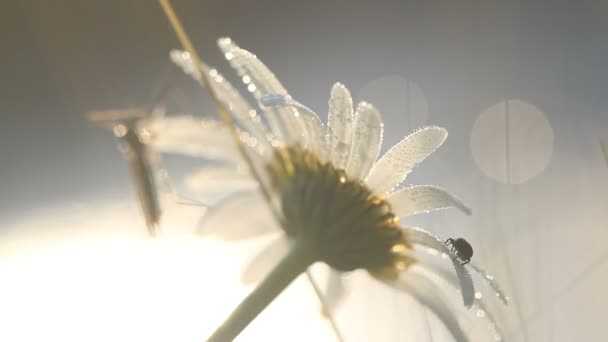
[341,219]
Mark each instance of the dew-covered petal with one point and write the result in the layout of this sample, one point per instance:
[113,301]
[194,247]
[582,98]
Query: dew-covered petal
[427,294]
[424,238]
[187,135]
[397,163]
[367,139]
[240,216]
[183,60]
[443,278]
[339,126]
[244,114]
[263,262]
[493,284]
[423,198]
[313,134]
[316,135]
[214,182]
[284,121]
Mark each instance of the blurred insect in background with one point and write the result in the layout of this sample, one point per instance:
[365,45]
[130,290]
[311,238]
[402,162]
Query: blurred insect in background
[129,126]
[139,156]
[461,248]
[136,128]
[144,133]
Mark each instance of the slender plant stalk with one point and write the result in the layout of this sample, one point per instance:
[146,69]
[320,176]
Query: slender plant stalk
[294,264]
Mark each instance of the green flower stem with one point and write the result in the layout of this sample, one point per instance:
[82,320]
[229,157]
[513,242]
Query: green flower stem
[296,262]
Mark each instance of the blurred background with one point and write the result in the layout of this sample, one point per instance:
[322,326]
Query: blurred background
[520,86]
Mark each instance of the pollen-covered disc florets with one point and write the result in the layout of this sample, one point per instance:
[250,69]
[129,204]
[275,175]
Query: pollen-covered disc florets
[346,225]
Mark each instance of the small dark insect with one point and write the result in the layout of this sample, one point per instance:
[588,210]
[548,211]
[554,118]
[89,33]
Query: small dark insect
[461,248]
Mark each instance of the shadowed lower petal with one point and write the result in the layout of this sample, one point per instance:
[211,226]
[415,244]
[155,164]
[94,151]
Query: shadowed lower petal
[441,277]
[216,182]
[427,294]
[191,136]
[335,290]
[263,262]
[493,284]
[225,219]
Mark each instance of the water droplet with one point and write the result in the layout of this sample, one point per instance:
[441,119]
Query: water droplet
[251,87]
[246,79]
[229,55]
[120,130]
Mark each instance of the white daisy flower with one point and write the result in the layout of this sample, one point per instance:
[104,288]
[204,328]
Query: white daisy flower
[336,202]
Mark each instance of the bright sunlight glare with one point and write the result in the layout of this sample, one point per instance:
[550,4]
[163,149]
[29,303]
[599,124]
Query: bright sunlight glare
[80,273]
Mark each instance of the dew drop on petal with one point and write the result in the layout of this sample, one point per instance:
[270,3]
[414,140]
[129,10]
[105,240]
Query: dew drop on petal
[120,130]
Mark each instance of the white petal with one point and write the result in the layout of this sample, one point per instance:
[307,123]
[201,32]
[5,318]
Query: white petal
[263,262]
[214,182]
[187,135]
[245,115]
[427,294]
[315,131]
[443,278]
[397,163]
[340,125]
[183,60]
[335,290]
[423,198]
[313,134]
[225,220]
[367,139]
[420,236]
[493,284]
[284,122]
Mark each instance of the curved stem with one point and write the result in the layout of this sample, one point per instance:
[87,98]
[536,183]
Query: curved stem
[295,263]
